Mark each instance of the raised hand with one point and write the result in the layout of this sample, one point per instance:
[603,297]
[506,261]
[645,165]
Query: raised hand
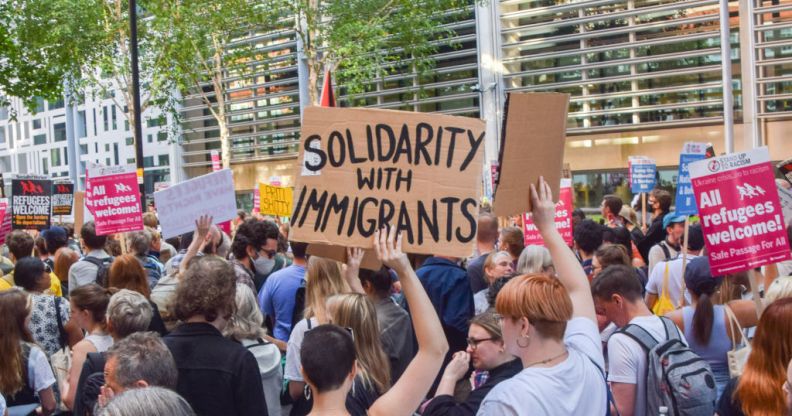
[458,366]
[542,206]
[202,226]
[388,249]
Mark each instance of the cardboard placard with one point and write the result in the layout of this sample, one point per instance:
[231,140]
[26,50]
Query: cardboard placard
[88,200]
[338,253]
[534,134]
[740,211]
[179,206]
[31,204]
[275,200]
[643,174]
[785,196]
[363,168]
[563,218]
[79,211]
[62,198]
[115,198]
[685,200]
[5,220]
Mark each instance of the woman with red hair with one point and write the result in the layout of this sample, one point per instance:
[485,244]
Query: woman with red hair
[759,392]
[126,272]
[550,325]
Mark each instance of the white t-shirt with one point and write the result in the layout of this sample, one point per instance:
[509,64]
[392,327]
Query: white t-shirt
[575,387]
[40,374]
[655,283]
[292,370]
[2,405]
[627,359]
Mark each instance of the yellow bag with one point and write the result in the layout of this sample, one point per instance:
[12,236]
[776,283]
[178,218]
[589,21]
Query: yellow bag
[663,304]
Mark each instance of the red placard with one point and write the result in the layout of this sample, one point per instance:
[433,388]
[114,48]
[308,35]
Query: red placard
[256,201]
[115,198]
[216,161]
[740,211]
[563,218]
[5,220]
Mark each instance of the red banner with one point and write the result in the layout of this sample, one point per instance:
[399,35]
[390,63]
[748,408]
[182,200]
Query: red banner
[115,198]
[563,218]
[740,211]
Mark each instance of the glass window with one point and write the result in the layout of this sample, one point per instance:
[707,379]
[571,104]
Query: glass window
[45,166]
[150,138]
[40,139]
[162,136]
[55,157]
[115,120]
[155,122]
[115,153]
[60,134]
[36,124]
[131,161]
[82,128]
[164,160]
[130,141]
[105,118]
[148,161]
[83,149]
[2,135]
[54,105]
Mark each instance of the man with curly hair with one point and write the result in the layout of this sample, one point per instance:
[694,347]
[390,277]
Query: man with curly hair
[217,376]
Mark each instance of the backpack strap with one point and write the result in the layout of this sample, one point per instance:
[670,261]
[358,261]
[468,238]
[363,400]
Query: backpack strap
[611,404]
[93,260]
[666,251]
[639,335]
[308,321]
[670,329]
[62,338]
[259,343]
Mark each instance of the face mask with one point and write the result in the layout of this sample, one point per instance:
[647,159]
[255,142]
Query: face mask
[263,265]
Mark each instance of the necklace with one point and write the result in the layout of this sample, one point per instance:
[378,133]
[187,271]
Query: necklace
[547,360]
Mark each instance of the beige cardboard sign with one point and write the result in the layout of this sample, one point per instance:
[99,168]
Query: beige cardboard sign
[534,133]
[361,169]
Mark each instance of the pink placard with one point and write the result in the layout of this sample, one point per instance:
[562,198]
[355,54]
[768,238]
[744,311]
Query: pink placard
[216,161]
[115,197]
[563,218]
[5,220]
[740,211]
[256,201]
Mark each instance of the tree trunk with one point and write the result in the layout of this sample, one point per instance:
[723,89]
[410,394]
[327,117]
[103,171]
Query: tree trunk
[225,143]
[313,83]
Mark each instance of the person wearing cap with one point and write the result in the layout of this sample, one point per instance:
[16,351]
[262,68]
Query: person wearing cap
[611,207]
[674,225]
[707,325]
[630,220]
[654,286]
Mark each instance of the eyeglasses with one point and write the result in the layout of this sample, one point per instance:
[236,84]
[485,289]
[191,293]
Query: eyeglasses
[473,342]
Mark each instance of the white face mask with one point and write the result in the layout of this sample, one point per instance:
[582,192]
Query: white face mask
[263,265]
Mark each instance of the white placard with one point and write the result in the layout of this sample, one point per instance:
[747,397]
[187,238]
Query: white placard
[179,206]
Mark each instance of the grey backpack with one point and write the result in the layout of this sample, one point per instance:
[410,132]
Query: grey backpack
[677,378]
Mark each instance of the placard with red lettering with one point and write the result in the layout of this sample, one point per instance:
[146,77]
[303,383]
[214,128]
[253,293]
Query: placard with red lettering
[31,203]
[740,211]
[115,198]
[563,218]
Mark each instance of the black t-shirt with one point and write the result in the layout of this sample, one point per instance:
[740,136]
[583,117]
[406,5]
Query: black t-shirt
[728,405]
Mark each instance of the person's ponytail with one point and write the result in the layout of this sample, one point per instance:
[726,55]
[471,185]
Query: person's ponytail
[703,318]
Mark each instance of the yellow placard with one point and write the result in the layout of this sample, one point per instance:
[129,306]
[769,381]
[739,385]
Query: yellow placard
[275,200]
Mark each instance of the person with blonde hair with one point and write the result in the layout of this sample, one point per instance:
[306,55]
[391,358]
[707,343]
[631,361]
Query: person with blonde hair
[497,264]
[486,353]
[328,355]
[245,328]
[535,259]
[550,324]
[357,312]
[780,288]
[323,279]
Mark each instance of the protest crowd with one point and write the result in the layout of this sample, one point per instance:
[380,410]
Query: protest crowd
[623,315]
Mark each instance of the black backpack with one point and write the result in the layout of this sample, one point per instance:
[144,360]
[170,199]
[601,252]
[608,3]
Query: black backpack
[102,268]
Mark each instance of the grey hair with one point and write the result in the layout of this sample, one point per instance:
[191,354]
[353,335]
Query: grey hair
[143,356]
[247,320]
[128,312]
[534,259]
[139,242]
[149,401]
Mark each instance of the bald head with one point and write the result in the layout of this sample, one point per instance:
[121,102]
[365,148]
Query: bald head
[487,228]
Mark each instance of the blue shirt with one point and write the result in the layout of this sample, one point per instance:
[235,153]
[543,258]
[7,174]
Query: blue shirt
[449,290]
[277,297]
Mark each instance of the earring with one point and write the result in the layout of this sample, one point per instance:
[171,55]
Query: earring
[307,392]
[527,337]
[353,387]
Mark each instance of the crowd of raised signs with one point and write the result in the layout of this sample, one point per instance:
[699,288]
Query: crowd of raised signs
[627,321]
